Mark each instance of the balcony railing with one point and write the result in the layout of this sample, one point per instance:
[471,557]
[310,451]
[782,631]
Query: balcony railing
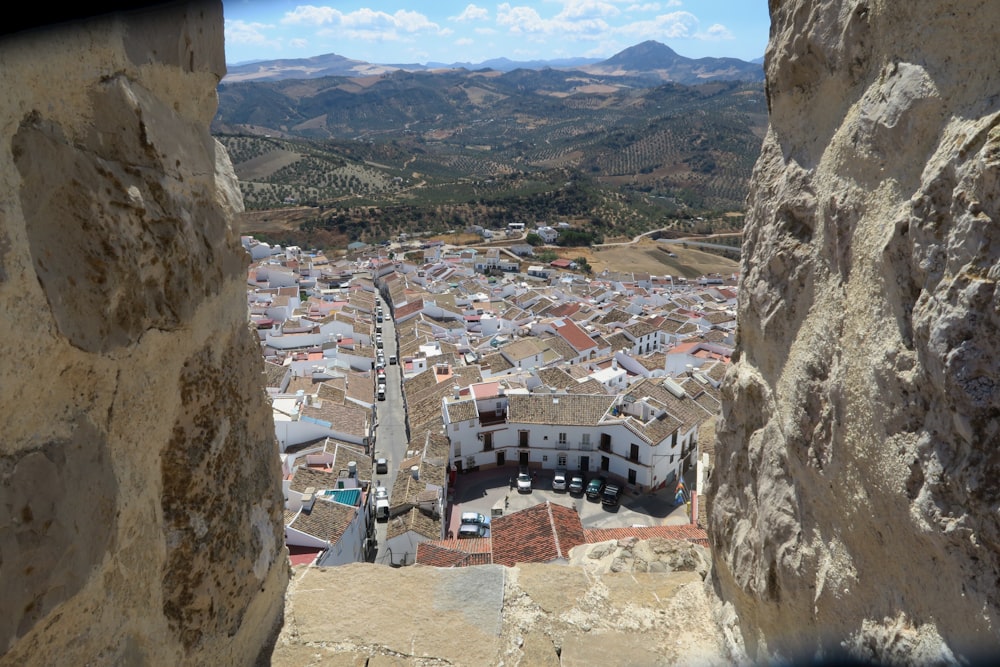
[562,445]
[586,447]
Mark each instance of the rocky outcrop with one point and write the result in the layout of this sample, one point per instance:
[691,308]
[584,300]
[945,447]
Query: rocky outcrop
[140,488]
[616,603]
[856,485]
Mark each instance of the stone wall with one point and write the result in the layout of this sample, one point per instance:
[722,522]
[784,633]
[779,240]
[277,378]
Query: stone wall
[139,481]
[857,476]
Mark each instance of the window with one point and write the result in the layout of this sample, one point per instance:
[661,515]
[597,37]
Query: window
[562,438]
[470,461]
[561,461]
[499,412]
[585,441]
[633,454]
[605,442]
[631,476]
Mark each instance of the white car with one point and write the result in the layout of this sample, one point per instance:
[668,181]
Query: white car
[523,483]
[381,493]
[381,466]
[559,481]
[475,518]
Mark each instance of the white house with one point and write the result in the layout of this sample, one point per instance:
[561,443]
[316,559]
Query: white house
[635,441]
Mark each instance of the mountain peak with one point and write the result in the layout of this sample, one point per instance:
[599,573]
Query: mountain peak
[647,55]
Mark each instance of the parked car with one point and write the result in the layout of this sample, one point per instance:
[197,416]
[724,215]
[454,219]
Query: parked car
[475,518]
[471,530]
[381,493]
[559,481]
[380,394]
[392,359]
[594,489]
[611,495]
[381,466]
[576,485]
[523,482]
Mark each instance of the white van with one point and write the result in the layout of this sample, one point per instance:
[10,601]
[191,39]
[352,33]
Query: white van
[382,509]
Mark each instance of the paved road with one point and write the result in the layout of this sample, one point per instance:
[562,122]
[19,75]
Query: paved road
[390,425]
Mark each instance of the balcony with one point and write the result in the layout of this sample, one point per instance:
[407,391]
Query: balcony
[491,418]
[586,447]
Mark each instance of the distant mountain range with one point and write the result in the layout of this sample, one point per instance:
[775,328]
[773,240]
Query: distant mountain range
[649,60]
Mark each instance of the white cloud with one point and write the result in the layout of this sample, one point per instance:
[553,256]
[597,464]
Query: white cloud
[718,31]
[648,7]
[241,32]
[363,20]
[580,18]
[464,41]
[674,25]
[520,19]
[486,31]
[586,9]
[310,14]
[298,43]
[471,13]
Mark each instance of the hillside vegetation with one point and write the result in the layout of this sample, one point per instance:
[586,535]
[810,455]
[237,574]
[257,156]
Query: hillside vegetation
[339,159]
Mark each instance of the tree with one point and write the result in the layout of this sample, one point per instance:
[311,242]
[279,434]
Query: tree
[583,265]
[533,239]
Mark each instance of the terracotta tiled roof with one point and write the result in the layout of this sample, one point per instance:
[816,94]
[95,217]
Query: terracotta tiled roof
[408,309]
[274,374]
[558,409]
[574,335]
[495,362]
[655,361]
[326,520]
[455,553]
[304,477]
[689,412]
[641,328]
[561,349]
[688,532]
[540,534]
[459,411]
[556,378]
[350,419]
[588,386]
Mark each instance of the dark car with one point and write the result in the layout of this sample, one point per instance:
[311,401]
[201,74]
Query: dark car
[576,485]
[611,495]
[594,489]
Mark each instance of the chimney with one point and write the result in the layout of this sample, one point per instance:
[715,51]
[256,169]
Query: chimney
[308,498]
[352,469]
[415,471]
[456,390]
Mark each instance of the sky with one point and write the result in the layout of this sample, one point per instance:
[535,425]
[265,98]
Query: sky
[447,31]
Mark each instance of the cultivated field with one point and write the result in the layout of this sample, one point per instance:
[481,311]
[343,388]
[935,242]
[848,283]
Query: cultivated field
[651,257]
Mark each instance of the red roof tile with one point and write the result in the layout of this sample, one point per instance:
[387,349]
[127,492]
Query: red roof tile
[688,532]
[574,335]
[539,534]
[454,553]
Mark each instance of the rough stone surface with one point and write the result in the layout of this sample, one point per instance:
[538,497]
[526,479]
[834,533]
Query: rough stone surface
[855,492]
[571,615]
[139,487]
